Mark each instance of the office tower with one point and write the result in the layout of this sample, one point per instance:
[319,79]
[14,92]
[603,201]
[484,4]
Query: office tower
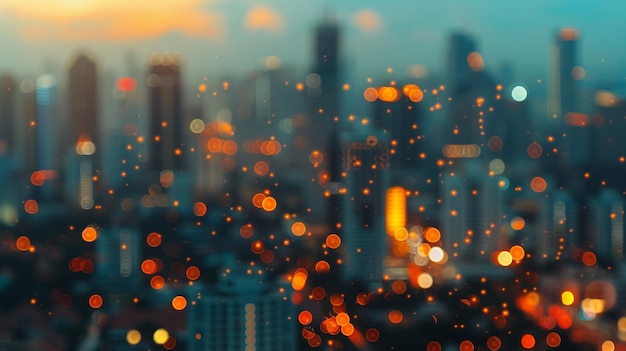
[471,216]
[46,119]
[362,205]
[243,311]
[564,99]
[83,104]
[559,220]
[8,113]
[117,259]
[323,82]
[28,127]
[470,88]
[165,116]
[395,113]
[79,173]
[606,225]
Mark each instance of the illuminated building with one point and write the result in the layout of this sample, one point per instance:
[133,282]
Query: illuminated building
[79,173]
[117,259]
[606,225]
[8,113]
[362,205]
[471,215]
[243,311]
[83,103]
[165,115]
[559,220]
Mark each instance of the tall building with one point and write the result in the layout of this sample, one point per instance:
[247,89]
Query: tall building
[323,82]
[244,311]
[560,223]
[165,117]
[460,72]
[606,225]
[28,127]
[362,205]
[8,113]
[83,103]
[564,98]
[117,259]
[471,216]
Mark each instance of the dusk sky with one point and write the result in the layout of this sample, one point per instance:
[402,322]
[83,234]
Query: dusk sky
[218,37]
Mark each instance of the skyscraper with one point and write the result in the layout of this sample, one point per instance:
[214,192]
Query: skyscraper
[83,104]
[362,202]
[243,312]
[606,225]
[7,114]
[165,119]
[46,102]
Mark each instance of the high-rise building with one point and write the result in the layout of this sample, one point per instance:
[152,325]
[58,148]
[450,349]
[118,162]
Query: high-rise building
[165,116]
[8,99]
[471,215]
[83,103]
[323,82]
[28,127]
[362,205]
[564,98]
[244,311]
[560,223]
[117,259]
[606,225]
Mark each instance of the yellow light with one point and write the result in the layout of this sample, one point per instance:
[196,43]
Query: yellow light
[567,297]
[133,337]
[395,209]
[505,259]
[160,336]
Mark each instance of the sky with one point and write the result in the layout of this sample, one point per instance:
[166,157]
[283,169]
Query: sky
[231,37]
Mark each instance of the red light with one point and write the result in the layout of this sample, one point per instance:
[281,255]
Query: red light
[126,84]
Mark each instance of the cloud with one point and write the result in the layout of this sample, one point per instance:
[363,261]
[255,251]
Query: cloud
[367,20]
[112,19]
[263,18]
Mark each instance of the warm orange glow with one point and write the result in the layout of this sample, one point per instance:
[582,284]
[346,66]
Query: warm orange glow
[347,329]
[528,341]
[269,204]
[432,234]
[534,150]
[261,168]
[179,303]
[157,282]
[95,301]
[263,18]
[567,298]
[388,94]
[342,319]
[31,206]
[192,273]
[305,317]
[199,209]
[149,267]
[257,247]
[518,223]
[494,343]
[23,243]
[395,209]
[589,258]
[370,94]
[505,259]
[257,200]
[246,231]
[37,178]
[333,241]
[538,184]
[517,252]
[89,234]
[399,287]
[322,267]
[475,61]
[396,316]
[466,345]
[577,119]
[153,239]
[433,346]
[553,339]
[298,228]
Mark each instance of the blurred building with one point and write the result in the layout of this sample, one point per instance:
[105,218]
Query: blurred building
[117,260]
[471,215]
[47,121]
[8,114]
[83,104]
[244,311]
[560,225]
[606,225]
[166,123]
[362,205]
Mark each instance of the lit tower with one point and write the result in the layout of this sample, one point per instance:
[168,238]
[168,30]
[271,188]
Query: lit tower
[166,125]
[606,225]
[83,104]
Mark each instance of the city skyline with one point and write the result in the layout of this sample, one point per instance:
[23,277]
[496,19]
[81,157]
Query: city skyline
[223,38]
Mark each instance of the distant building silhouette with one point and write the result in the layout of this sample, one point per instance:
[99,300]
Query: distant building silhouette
[244,311]
[165,117]
[83,104]
[8,114]
[606,225]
